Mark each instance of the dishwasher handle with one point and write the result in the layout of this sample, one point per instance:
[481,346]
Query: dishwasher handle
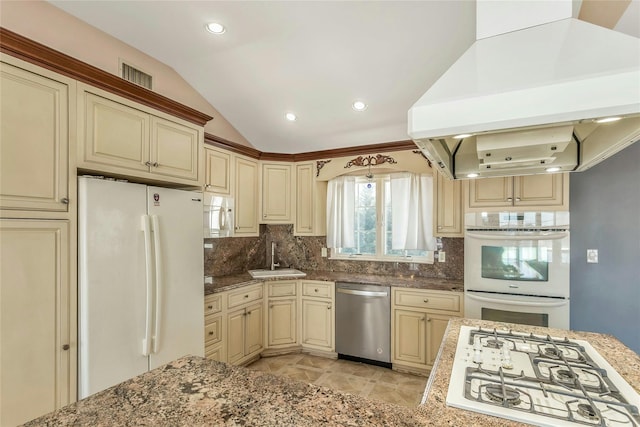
[362,293]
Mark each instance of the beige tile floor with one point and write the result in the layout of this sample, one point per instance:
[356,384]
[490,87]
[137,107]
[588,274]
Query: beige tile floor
[370,381]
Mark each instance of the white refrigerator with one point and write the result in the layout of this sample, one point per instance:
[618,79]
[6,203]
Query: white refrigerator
[140,274]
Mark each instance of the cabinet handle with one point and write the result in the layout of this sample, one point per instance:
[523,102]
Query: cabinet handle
[439,227]
[517,199]
[264,216]
[210,307]
[246,296]
[147,163]
[210,332]
[422,319]
[66,347]
[155,164]
[315,290]
[328,307]
[65,200]
[509,199]
[248,313]
[425,300]
[271,306]
[429,320]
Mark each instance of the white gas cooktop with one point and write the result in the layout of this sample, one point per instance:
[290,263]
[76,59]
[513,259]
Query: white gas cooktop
[539,380]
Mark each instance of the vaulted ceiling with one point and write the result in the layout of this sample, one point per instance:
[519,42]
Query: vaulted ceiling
[311,58]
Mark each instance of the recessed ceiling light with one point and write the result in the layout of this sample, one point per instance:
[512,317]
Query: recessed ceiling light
[462,136]
[215,28]
[291,117]
[608,119]
[552,169]
[359,106]
[472,175]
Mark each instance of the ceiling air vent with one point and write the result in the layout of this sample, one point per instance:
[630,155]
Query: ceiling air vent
[136,76]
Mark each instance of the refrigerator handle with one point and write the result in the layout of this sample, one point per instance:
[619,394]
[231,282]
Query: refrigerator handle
[146,228]
[158,275]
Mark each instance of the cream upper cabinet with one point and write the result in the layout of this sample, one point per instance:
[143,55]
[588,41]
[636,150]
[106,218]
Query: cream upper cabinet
[318,314]
[246,192]
[447,207]
[218,174]
[276,193]
[546,191]
[35,131]
[118,136]
[37,319]
[418,323]
[310,202]
[174,149]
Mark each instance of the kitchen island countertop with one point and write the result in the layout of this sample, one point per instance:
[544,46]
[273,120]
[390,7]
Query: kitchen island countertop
[225,283]
[193,391]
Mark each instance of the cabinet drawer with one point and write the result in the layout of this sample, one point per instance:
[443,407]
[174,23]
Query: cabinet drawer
[214,353]
[282,289]
[428,300]
[244,295]
[212,304]
[212,330]
[317,289]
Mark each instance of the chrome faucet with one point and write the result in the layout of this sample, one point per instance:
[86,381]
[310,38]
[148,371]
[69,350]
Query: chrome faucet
[273,255]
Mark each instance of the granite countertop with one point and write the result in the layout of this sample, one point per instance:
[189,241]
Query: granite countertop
[193,391]
[225,283]
[434,407]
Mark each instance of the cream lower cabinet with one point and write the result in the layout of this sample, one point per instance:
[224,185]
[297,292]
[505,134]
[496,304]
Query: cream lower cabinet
[545,191]
[34,138]
[418,323]
[318,315]
[37,319]
[214,328]
[120,137]
[245,324]
[281,328]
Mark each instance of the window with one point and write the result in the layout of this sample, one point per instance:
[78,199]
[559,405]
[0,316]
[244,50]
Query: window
[361,222]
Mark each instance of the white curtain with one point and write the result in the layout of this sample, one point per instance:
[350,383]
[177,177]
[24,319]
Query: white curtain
[412,213]
[340,212]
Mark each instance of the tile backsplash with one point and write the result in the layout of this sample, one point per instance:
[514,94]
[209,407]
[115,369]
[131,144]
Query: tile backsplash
[233,255]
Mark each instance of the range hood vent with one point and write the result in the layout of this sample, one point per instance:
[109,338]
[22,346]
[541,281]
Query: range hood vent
[532,96]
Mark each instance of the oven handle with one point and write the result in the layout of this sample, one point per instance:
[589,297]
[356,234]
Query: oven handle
[491,236]
[528,304]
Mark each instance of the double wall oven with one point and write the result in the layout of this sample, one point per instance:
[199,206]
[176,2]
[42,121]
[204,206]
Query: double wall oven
[517,267]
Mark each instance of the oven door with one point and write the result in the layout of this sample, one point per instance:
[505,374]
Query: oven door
[527,310]
[532,263]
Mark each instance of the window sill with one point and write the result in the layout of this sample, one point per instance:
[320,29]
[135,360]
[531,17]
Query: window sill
[414,260]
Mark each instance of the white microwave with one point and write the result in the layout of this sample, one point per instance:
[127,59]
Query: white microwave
[218,216]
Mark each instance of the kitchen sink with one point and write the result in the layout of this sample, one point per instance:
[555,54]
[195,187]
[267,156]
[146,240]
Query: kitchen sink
[283,272]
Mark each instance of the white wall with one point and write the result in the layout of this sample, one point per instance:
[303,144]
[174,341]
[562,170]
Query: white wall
[46,24]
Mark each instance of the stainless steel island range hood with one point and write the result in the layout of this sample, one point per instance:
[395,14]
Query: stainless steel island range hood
[532,101]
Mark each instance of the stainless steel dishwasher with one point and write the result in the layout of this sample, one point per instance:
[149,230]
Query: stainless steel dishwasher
[363,323]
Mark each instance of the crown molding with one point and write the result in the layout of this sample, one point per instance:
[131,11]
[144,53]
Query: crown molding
[28,50]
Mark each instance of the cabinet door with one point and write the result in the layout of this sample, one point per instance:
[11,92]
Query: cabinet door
[436,327]
[409,336]
[539,190]
[246,188]
[490,192]
[218,172]
[448,214]
[254,329]
[34,135]
[113,134]
[235,335]
[174,149]
[304,199]
[317,323]
[37,328]
[276,193]
[282,322]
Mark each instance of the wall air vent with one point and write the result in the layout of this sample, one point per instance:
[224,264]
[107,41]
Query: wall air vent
[136,76]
